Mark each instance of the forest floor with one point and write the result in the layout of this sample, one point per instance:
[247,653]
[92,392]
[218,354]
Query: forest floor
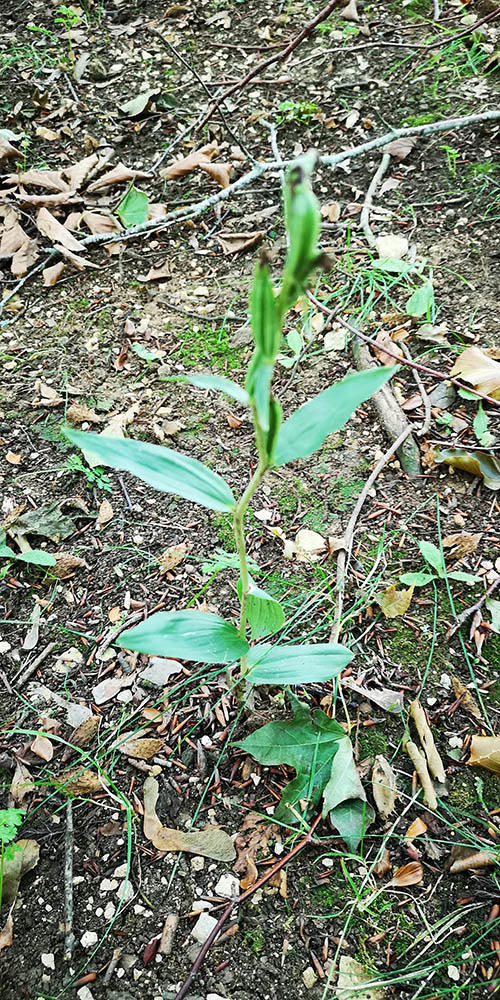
[94,343]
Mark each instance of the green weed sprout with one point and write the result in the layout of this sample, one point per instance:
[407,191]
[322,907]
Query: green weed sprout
[209,638]
[69,19]
[10,820]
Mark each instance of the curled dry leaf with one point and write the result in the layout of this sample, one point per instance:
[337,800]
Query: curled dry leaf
[384,340]
[83,735]
[420,764]
[172,556]
[309,546]
[187,164]
[7,931]
[232,243]
[485,752]
[383,865]
[142,749]
[331,211]
[466,700]
[22,784]
[76,781]
[415,829]
[46,395]
[7,152]
[472,862]
[79,262]
[461,544]
[409,874]
[394,603]
[434,761]
[479,463]
[118,175]
[105,513]
[160,273]
[42,747]
[49,180]
[66,565]
[250,876]
[77,413]
[384,786]
[23,859]
[79,172]
[210,843]
[49,226]
[12,239]
[479,369]
[220,172]
[51,274]
[400,148]
[24,258]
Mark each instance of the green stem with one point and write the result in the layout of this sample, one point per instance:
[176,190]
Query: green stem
[239,537]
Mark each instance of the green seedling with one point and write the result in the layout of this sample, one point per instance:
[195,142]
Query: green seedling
[481,422]
[94,477]
[300,112]
[10,820]
[69,19]
[209,638]
[435,559]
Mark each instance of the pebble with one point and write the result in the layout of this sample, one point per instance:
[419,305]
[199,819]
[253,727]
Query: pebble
[203,927]
[121,871]
[88,939]
[84,993]
[327,862]
[48,960]
[309,977]
[228,886]
[125,891]
[108,884]
[109,911]
[197,863]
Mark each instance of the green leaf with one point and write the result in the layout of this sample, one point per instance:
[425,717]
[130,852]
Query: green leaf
[433,556]
[480,425]
[143,353]
[7,553]
[307,745]
[133,208]
[186,635]
[265,614]
[37,557]
[275,421]
[421,301]
[390,264]
[479,463]
[225,560]
[344,798]
[494,609]
[264,315]
[416,579]
[217,382]
[309,664]
[304,432]
[162,468]
[258,384]
[464,577]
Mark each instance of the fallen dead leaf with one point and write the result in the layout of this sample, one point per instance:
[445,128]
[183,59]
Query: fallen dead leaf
[485,752]
[42,747]
[309,546]
[472,862]
[383,865]
[24,258]
[479,369]
[78,172]
[49,180]
[78,413]
[386,698]
[478,463]
[210,843]
[66,565]
[461,544]
[251,875]
[233,243]
[46,395]
[99,224]
[331,212]
[118,175]
[466,700]
[49,226]
[114,615]
[392,245]
[409,874]
[172,556]
[114,428]
[83,735]
[384,342]
[384,786]
[186,164]
[234,422]
[7,931]
[22,860]
[350,12]
[415,829]
[105,513]
[13,458]
[394,603]
[7,152]
[400,148]
[79,262]
[51,274]
[220,172]
[74,781]
[158,273]
[12,239]
[109,688]
[354,982]
[22,785]
[142,749]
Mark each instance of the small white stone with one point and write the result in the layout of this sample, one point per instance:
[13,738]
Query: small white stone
[121,871]
[215,996]
[48,960]
[99,912]
[445,681]
[108,884]
[309,977]
[197,863]
[84,993]
[139,909]
[125,891]
[454,973]
[327,862]
[109,911]
[203,927]
[431,701]
[88,939]
[78,879]
[227,886]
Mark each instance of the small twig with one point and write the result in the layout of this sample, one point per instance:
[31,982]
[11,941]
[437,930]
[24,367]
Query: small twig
[237,902]
[365,211]
[69,938]
[33,666]
[277,57]
[424,428]
[420,764]
[475,607]
[125,492]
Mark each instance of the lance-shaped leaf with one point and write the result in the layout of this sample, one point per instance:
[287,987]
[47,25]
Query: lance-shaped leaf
[217,382]
[263,314]
[162,468]
[344,798]
[258,384]
[186,635]
[306,744]
[265,614]
[35,557]
[304,432]
[309,664]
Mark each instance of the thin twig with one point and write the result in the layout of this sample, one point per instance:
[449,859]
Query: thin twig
[34,665]
[424,428]
[237,902]
[475,607]
[69,938]
[365,211]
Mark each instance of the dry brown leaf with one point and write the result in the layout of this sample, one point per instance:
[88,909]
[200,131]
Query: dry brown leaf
[156,210]
[472,862]
[141,748]
[400,148]
[105,513]
[13,458]
[46,396]
[485,752]
[479,369]
[114,615]
[331,211]
[158,273]
[103,224]
[114,428]
[22,860]
[12,239]
[210,843]
[350,13]
[461,544]
[384,865]
[66,565]
[83,735]
[74,781]
[384,340]
[466,699]
[117,175]
[24,258]
[409,874]
[79,262]
[434,761]
[77,413]
[79,172]
[384,786]
[394,603]
[219,172]
[49,226]
[254,835]
[172,556]
[250,876]
[49,180]
[415,829]
[187,164]
[42,747]
[51,274]
[73,220]
[420,764]
[22,784]
[7,152]
[7,931]
[232,243]
[234,422]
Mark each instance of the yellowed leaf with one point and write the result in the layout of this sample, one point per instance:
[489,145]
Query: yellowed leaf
[210,843]
[415,829]
[409,874]
[42,747]
[466,699]
[394,603]
[476,367]
[13,458]
[172,556]
[485,752]
[114,615]
[187,164]
[142,749]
